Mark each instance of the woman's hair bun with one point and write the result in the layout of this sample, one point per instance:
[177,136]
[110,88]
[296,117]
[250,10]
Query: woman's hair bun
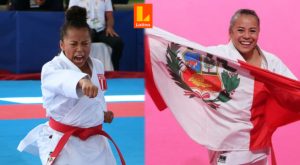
[76,13]
[75,17]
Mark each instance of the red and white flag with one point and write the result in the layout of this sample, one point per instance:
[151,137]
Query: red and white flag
[102,82]
[221,103]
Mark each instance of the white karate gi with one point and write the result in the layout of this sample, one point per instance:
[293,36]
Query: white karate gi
[66,104]
[226,132]
[245,157]
[270,61]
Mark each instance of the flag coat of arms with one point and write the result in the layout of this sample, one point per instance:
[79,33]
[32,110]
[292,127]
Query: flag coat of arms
[220,101]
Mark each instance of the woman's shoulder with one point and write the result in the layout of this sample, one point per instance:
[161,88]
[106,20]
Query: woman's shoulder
[221,50]
[270,57]
[57,61]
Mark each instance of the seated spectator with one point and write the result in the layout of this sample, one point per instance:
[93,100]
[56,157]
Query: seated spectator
[101,21]
[37,5]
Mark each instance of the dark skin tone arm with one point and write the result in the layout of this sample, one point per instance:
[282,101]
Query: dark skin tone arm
[110,24]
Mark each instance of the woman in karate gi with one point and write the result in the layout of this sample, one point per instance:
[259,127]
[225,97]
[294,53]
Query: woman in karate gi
[244,32]
[72,96]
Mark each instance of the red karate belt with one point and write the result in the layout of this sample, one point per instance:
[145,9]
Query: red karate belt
[82,133]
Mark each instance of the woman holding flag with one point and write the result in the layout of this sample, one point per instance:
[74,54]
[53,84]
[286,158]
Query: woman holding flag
[229,98]
[244,32]
[73,86]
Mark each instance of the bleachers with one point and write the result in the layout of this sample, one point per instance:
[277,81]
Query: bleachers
[30,39]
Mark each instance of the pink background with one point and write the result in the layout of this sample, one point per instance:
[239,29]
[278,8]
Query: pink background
[207,22]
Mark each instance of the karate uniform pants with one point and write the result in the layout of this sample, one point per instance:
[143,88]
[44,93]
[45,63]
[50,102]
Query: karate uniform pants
[258,157]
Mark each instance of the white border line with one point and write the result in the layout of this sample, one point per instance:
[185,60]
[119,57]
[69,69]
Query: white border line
[112,98]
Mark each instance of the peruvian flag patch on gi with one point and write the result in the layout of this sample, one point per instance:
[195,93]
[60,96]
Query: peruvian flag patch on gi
[102,82]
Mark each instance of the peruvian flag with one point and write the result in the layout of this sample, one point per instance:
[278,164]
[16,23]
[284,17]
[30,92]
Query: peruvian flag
[102,82]
[221,103]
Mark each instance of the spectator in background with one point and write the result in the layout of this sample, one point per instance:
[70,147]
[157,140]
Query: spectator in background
[37,5]
[101,21]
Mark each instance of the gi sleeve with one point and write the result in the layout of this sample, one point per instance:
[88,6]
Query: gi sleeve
[61,81]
